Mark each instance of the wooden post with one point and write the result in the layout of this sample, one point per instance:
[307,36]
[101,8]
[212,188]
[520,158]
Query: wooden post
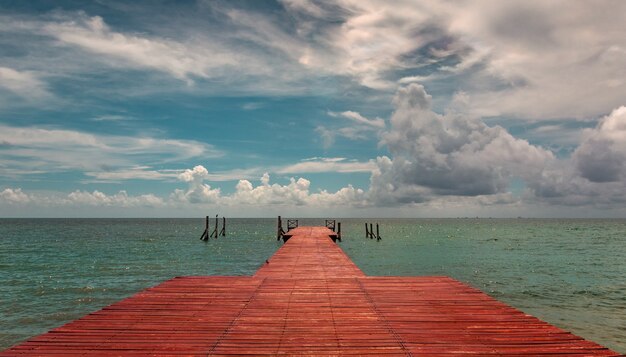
[223,232]
[279,228]
[214,234]
[339,231]
[377,232]
[205,235]
[367,233]
[371,231]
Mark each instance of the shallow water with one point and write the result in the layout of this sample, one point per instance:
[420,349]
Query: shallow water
[571,273]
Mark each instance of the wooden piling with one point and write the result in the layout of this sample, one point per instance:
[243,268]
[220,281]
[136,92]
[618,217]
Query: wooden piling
[223,232]
[279,229]
[214,233]
[377,232]
[371,231]
[367,232]
[339,231]
[205,234]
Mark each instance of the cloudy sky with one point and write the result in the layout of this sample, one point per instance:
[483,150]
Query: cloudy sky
[313,108]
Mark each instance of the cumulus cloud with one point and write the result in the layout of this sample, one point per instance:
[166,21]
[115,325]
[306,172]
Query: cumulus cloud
[345,197]
[602,155]
[595,175]
[14,195]
[295,193]
[120,199]
[437,160]
[78,198]
[564,186]
[450,154]
[198,191]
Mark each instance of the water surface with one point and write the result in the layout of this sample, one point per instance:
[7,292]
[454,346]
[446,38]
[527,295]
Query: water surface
[570,273]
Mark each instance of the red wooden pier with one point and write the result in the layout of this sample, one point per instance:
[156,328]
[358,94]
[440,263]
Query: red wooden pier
[310,299]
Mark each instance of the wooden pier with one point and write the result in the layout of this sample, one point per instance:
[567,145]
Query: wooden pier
[309,299]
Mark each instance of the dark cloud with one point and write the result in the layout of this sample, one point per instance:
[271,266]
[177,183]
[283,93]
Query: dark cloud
[595,174]
[449,154]
[601,156]
[597,161]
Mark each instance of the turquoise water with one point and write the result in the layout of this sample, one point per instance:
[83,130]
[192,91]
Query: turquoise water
[571,273]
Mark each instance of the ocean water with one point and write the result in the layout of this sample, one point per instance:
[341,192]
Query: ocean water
[571,273]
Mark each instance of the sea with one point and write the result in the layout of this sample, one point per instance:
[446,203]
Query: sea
[569,272]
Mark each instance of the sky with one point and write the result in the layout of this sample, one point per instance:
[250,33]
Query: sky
[346,108]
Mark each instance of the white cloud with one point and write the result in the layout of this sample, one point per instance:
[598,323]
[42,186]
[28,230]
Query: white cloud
[305,6]
[195,175]
[359,119]
[134,173]
[55,150]
[112,118]
[295,193]
[361,128]
[55,200]
[26,84]
[198,191]
[566,58]
[367,41]
[345,197]
[14,195]
[180,60]
[326,135]
[327,165]
[505,55]
[120,199]
[555,135]
[311,165]
[252,106]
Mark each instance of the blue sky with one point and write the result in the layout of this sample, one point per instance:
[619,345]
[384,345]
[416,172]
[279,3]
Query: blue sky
[313,108]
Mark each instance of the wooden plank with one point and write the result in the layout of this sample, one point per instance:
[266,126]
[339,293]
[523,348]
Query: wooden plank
[310,299]
[310,253]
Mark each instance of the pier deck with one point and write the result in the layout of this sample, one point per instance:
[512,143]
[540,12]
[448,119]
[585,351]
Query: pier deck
[309,299]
